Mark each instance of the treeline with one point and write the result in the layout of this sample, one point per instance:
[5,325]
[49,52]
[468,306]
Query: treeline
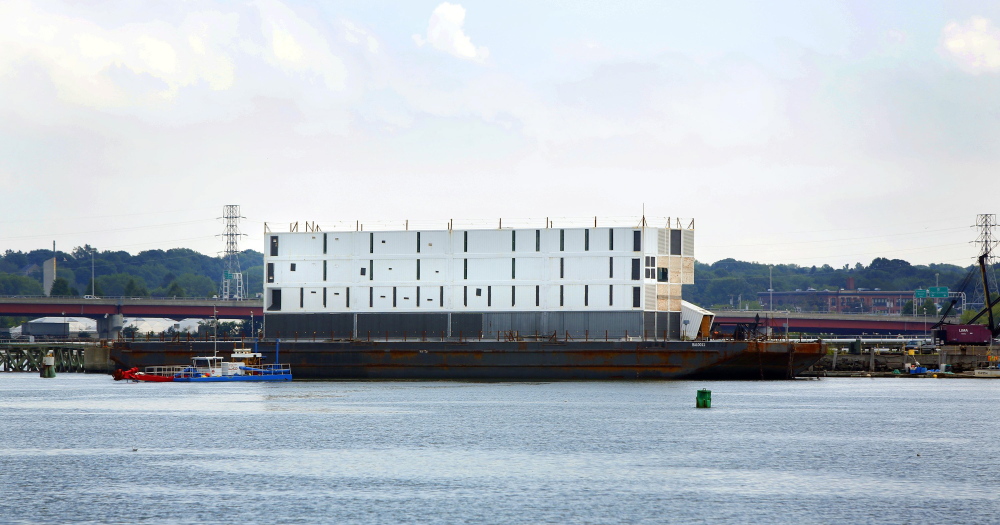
[178,272]
[723,282]
[182,272]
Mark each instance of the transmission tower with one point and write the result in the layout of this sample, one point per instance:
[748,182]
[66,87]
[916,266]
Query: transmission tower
[986,243]
[232,276]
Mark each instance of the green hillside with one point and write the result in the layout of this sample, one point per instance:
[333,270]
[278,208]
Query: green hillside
[158,273]
[722,283]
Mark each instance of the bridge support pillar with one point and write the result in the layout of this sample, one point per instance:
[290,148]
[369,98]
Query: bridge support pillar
[110,326]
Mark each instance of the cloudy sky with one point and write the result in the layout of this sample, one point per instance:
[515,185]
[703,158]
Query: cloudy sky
[802,131]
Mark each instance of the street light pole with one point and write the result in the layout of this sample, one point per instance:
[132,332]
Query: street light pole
[93,284]
[770,286]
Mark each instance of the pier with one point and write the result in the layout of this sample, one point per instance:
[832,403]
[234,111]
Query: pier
[69,357]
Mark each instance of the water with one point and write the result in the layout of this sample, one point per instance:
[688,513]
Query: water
[895,450]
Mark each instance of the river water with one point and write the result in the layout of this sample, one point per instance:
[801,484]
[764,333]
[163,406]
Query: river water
[894,450]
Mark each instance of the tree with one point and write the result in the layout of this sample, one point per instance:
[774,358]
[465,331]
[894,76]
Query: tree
[927,308]
[135,287]
[969,314]
[907,308]
[94,289]
[196,285]
[61,288]
[175,290]
[11,284]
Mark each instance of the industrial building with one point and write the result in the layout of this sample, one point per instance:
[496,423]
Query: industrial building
[585,282]
[837,301]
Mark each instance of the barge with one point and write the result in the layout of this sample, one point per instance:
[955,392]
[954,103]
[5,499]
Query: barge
[505,303]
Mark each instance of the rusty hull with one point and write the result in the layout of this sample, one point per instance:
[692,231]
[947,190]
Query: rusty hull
[501,360]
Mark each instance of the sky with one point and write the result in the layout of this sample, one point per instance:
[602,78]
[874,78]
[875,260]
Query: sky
[803,132]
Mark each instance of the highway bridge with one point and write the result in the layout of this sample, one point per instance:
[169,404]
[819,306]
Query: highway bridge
[99,308]
[111,311]
[826,323]
[105,308]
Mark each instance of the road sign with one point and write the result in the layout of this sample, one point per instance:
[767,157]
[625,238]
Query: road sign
[920,294]
[228,275]
[937,291]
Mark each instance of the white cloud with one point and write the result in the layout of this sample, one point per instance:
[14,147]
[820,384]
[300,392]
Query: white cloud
[973,45]
[80,57]
[297,45]
[445,33]
[285,47]
[357,35]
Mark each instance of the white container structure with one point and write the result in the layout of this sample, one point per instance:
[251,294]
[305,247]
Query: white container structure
[585,282]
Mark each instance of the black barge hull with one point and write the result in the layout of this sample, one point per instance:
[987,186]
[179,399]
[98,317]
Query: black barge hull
[501,360]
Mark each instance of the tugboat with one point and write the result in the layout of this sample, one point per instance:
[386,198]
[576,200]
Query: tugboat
[243,366]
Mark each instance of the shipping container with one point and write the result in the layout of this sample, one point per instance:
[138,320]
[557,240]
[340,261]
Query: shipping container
[975,334]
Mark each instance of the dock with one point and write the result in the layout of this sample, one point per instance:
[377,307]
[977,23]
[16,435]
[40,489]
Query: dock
[69,357]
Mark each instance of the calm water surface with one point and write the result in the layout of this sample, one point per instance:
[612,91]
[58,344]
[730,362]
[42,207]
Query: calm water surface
[895,450]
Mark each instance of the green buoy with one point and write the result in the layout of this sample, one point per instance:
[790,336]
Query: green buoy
[703,399]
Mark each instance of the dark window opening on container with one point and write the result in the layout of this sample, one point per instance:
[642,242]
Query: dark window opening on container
[393,296]
[513,240]
[418,269]
[562,240]
[465,269]
[302,297]
[611,267]
[418,297]
[324,297]
[661,275]
[636,241]
[611,239]
[371,297]
[371,243]
[274,245]
[275,300]
[418,242]
[441,296]
[465,245]
[562,267]
[635,297]
[270,272]
[513,295]
[538,240]
[586,295]
[465,296]
[538,295]
[611,295]
[479,292]
[371,270]
[324,270]
[675,242]
[324,244]
[347,301]
[364,271]
[513,266]
[561,295]
[586,240]
[489,296]
[635,269]
[292,267]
